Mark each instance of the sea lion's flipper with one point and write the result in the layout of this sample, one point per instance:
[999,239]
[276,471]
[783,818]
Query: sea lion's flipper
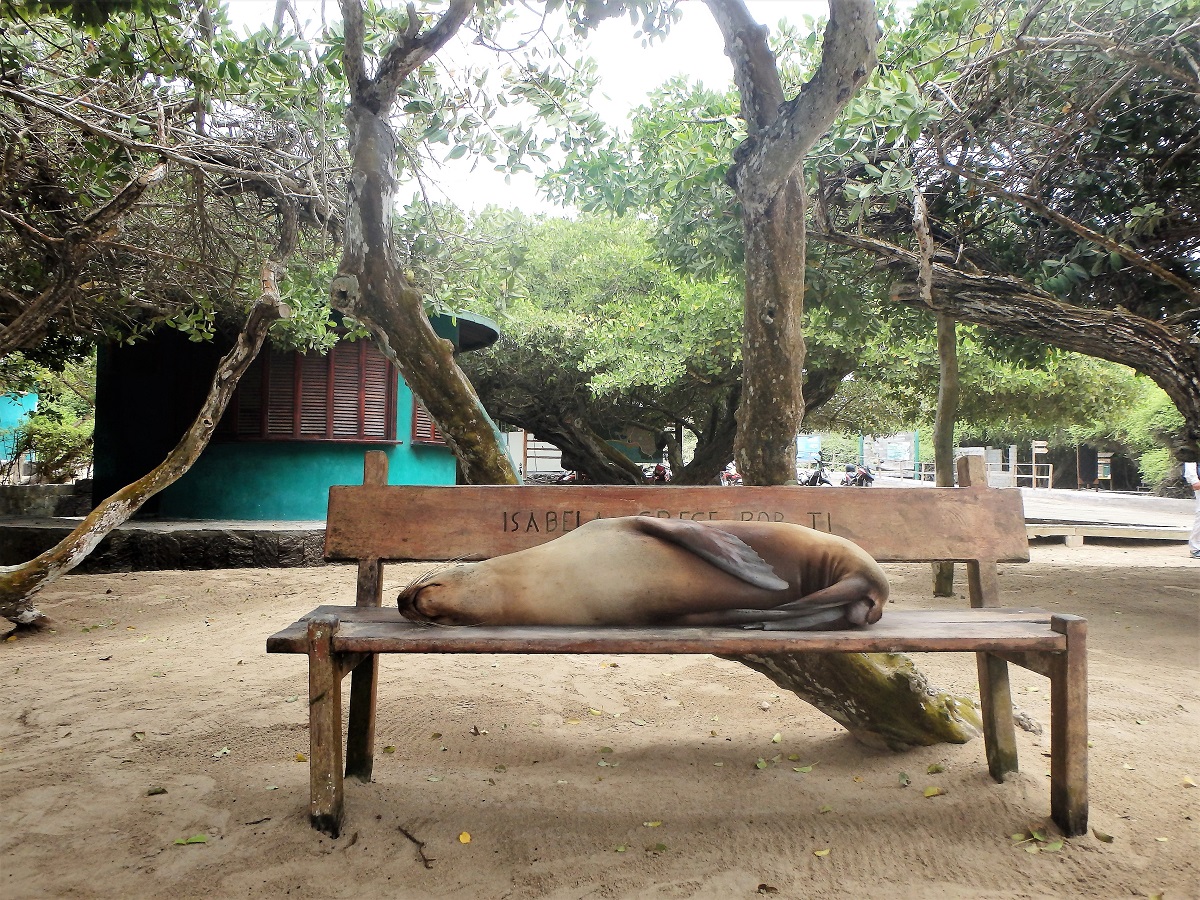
[726,551]
[784,618]
[837,617]
[850,589]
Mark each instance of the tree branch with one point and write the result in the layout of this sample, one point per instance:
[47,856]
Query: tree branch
[1034,205]
[847,59]
[18,584]
[411,49]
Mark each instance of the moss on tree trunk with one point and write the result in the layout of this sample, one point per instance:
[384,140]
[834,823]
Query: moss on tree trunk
[882,699]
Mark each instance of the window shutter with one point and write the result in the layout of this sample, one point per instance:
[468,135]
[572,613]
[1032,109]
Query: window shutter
[347,382]
[281,394]
[348,395]
[376,393]
[249,401]
[424,429]
[314,395]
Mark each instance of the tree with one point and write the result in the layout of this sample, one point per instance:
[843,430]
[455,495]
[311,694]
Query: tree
[772,198]
[155,173]
[1058,147]
[371,284]
[598,339]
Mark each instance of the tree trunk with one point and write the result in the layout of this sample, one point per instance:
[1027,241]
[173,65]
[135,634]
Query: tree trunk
[371,285]
[19,584]
[943,432]
[948,385]
[773,348]
[880,698]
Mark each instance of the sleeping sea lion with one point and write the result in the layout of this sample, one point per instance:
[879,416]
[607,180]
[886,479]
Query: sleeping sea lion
[639,570]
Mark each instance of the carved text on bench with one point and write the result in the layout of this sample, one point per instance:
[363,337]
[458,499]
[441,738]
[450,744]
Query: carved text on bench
[562,521]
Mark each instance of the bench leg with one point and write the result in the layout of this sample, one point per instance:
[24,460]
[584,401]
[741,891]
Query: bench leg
[1069,728]
[360,734]
[326,801]
[995,697]
[995,708]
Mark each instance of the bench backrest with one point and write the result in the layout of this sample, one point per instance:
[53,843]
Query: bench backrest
[376,521]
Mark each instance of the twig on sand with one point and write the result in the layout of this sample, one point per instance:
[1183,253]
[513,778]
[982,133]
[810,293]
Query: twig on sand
[426,861]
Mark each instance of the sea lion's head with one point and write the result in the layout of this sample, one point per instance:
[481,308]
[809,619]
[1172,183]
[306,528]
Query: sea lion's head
[440,597]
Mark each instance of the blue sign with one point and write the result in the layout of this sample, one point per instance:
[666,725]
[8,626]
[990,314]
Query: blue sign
[808,447]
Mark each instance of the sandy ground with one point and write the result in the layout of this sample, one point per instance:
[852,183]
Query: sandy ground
[151,714]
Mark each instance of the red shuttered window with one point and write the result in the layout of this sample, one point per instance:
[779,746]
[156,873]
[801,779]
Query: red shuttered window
[424,429]
[347,395]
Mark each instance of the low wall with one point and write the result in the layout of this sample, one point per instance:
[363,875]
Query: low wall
[133,549]
[46,499]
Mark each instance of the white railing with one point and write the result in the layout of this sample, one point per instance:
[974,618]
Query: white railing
[1034,475]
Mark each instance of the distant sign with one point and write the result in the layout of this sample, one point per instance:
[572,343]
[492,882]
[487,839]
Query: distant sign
[1039,447]
[808,447]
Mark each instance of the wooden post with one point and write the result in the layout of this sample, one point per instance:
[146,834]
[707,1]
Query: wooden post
[364,683]
[995,695]
[324,727]
[1069,728]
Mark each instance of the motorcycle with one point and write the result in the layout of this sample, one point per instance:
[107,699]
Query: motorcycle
[818,475]
[858,476]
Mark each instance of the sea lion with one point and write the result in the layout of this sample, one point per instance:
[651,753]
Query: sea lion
[639,570]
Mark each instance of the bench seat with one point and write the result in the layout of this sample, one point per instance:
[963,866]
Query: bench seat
[379,630]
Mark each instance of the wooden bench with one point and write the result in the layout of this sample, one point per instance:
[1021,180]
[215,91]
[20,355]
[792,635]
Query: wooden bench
[978,526]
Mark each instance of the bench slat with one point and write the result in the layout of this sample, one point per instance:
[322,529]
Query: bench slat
[477,522]
[384,631]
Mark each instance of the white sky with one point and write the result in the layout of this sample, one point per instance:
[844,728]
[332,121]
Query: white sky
[629,72]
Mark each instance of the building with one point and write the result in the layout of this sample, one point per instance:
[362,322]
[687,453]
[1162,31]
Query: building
[297,424]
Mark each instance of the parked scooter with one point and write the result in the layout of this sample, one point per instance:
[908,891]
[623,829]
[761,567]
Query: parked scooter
[818,476]
[858,476]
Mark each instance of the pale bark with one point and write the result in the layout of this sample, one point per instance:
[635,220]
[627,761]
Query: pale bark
[882,699]
[371,285]
[19,584]
[769,188]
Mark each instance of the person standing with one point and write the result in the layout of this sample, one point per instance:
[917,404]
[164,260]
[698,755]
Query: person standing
[1192,477]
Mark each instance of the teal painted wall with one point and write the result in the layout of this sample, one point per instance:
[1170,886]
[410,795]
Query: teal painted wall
[290,480]
[14,409]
